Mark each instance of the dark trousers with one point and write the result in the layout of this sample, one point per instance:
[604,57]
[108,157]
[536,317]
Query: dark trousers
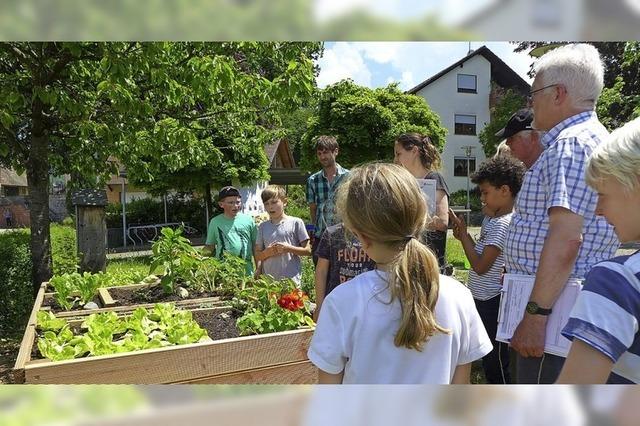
[543,370]
[496,363]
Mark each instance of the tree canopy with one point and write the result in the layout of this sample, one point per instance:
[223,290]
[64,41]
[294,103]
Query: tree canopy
[163,109]
[366,122]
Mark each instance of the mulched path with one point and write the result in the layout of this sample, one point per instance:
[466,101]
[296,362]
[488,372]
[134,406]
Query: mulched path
[8,353]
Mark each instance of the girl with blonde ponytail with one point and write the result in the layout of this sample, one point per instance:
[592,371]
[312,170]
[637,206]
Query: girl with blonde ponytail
[404,322]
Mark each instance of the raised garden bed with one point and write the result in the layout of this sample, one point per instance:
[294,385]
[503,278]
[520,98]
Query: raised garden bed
[276,358]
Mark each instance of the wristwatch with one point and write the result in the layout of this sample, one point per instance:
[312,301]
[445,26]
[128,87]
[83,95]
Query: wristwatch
[534,309]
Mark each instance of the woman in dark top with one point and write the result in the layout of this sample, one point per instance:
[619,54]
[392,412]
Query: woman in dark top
[417,154]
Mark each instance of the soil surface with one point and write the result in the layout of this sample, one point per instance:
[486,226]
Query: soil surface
[55,307]
[8,353]
[219,325]
[155,294]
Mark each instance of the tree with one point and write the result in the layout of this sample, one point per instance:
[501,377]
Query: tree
[67,107]
[619,101]
[366,122]
[509,102]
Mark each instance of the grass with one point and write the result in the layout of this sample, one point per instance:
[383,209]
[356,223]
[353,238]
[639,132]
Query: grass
[128,270]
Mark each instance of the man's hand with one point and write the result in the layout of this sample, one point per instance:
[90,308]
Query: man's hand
[528,339]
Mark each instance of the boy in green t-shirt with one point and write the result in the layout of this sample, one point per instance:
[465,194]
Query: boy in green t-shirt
[232,232]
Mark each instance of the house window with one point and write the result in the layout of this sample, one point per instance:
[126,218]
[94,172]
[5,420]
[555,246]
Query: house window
[467,83]
[460,166]
[465,124]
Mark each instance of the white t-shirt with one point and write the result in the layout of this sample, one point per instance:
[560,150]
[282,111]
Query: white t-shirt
[357,326]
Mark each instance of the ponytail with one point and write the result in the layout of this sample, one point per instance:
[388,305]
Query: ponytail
[414,278]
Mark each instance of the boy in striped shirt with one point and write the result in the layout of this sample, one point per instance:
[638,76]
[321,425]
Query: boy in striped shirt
[604,322]
[499,179]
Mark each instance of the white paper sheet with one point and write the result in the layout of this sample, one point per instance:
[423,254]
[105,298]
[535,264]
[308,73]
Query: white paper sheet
[516,290]
[428,188]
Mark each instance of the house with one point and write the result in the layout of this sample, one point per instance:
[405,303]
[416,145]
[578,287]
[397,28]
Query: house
[13,202]
[462,95]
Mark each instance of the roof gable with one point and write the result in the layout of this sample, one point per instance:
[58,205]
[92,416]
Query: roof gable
[501,73]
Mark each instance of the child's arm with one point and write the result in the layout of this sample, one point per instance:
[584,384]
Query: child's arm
[480,263]
[325,378]
[462,375]
[303,250]
[322,271]
[585,365]
[261,254]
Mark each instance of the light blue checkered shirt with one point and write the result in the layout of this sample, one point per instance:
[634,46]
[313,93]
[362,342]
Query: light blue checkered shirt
[556,179]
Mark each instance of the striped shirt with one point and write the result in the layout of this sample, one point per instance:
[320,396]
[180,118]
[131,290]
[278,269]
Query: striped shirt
[322,193]
[556,179]
[607,313]
[492,233]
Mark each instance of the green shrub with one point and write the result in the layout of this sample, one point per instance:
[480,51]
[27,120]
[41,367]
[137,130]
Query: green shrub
[63,249]
[15,282]
[459,198]
[297,203]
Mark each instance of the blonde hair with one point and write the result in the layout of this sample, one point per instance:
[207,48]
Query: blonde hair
[384,203]
[618,157]
[273,191]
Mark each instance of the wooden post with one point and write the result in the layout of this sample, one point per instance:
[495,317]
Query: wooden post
[91,229]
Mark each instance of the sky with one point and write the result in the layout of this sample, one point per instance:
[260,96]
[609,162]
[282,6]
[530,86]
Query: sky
[376,64]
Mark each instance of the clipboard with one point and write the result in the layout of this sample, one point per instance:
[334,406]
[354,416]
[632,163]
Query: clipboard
[516,290]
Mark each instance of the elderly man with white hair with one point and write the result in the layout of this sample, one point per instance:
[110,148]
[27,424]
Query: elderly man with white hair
[555,234]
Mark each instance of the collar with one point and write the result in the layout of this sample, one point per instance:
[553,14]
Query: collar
[339,168]
[552,134]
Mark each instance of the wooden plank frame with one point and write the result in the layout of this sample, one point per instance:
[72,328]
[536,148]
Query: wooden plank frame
[276,358]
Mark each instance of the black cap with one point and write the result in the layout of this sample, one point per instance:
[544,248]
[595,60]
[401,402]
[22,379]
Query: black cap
[228,191]
[518,122]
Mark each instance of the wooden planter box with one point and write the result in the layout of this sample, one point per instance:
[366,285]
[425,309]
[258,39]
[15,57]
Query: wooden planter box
[276,358]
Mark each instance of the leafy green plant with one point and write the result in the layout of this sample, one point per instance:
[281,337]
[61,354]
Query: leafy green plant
[47,321]
[64,286]
[270,306]
[106,333]
[72,288]
[63,249]
[171,251]
[15,282]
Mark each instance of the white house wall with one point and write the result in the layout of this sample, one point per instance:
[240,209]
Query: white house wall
[443,97]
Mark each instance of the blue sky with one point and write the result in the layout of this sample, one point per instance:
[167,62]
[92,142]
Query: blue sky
[376,64]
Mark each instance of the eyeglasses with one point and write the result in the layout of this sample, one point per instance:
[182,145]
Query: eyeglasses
[531,92]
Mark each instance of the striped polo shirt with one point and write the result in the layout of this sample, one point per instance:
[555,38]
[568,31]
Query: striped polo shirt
[493,233]
[607,313]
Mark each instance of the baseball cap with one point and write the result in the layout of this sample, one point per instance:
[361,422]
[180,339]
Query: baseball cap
[228,191]
[518,122]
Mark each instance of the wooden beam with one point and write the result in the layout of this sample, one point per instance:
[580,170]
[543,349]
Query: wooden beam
[303,372]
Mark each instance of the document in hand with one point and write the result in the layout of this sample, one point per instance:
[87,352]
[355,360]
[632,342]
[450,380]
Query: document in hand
[428,188]
[516,290]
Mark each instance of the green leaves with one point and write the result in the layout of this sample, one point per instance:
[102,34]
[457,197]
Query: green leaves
[108,334]
[68,285]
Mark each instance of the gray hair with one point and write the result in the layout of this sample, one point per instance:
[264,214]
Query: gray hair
[579,68]
[618,157]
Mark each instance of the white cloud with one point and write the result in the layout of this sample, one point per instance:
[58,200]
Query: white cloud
[342,61]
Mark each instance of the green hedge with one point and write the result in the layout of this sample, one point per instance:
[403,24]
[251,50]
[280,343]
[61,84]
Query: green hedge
[15,282]
[459,198]
[15,272]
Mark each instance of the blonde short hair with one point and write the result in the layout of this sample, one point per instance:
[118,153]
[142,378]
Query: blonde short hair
[273,191]
[618,157]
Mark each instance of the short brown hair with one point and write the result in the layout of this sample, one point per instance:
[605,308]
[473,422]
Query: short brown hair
[273,191]
[324,142]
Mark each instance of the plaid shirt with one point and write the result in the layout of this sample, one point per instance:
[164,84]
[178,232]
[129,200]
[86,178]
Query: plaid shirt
[556,179]
[321,193]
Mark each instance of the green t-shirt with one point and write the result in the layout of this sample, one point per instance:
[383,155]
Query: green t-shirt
[236,236]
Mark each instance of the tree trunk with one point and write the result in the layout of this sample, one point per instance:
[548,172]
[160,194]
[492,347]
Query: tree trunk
[208,204]
[38,181]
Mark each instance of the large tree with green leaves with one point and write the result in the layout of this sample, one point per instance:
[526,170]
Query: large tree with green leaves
[509,101]
[366,122]
[157,107]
